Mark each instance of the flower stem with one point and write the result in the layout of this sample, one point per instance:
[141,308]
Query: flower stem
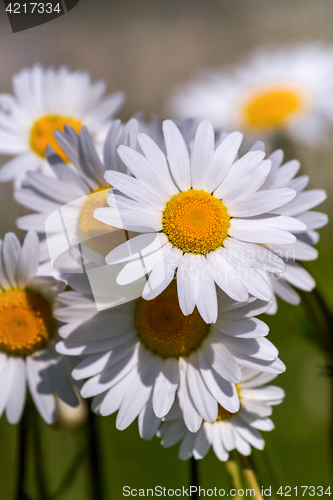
[250,476]
[21,455]
[94,455]
[321,316]
[194,477]
[38,455]
[233,471]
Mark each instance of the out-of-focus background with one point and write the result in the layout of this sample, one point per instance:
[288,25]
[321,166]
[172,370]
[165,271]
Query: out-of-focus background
[145,47]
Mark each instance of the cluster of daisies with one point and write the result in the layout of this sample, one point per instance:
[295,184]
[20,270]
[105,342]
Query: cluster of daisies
[150,251]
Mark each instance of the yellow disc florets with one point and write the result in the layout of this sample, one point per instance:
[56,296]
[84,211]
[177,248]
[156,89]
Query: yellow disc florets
[41,134]
[195,221]
[96,234]
[272,107]
[26,321]
[164,329]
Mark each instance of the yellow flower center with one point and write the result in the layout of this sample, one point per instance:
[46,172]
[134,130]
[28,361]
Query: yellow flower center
[99,236]
[26,321]
[41,134]
[164,329]
[273,107]
[195,221]
[222,413]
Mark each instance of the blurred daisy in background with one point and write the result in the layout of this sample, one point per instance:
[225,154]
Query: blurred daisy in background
[78,189]
[28,332]
[137,356]
[206,211]
[46,100]
[288,90]
[230,431]
[284,175]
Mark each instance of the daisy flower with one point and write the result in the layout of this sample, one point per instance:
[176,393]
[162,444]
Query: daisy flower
[283,90]
[230,431]
[46,100]
[283,175]
[200,213]
[28,333]
[65,201]
[142,353]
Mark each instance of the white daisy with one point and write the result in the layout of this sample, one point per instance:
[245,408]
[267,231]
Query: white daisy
[283,175]
[28,333]
[201,213]
[46,100]
[65,201]
[288,89]
[142,353]
[230,431]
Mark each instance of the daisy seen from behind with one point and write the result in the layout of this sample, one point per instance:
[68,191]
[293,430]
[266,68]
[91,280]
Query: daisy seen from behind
[287,89]
[142,353]
[46,100]
[284,175]
[230,431]
[28,332]
[200,213]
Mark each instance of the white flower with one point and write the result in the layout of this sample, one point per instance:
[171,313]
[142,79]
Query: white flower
[28,332]
[75,190]
[283,175]
[137,356]
[230,431]
[45,100]
[288,89]
[200,214]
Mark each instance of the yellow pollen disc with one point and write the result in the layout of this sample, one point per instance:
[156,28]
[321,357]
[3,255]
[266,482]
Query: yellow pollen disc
[195,221]
[222,413]
[272,108]
[26,321]
[164,329]
[98,236]
[41,134]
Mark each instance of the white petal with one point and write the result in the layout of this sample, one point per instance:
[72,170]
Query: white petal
[40,389]
[165,387]
[148,422]
[203,400]
[192,418]
[260,202]
[139,392]
[11,250]
[224,157]
[303,202]
[29,258]
[177,155]
[18,389]
[221,360]
[185,450]
[218,447]
[224,392]
[202,154]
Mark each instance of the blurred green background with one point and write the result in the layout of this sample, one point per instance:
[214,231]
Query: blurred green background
[145,47]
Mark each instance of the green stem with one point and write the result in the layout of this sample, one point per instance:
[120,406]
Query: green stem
[233,471]
[250,476]
[321,317]
[94,455]
[194,477]
[38,457]
[22,455]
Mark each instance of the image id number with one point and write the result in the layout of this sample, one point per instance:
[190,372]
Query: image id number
[312,491]
[33,7]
